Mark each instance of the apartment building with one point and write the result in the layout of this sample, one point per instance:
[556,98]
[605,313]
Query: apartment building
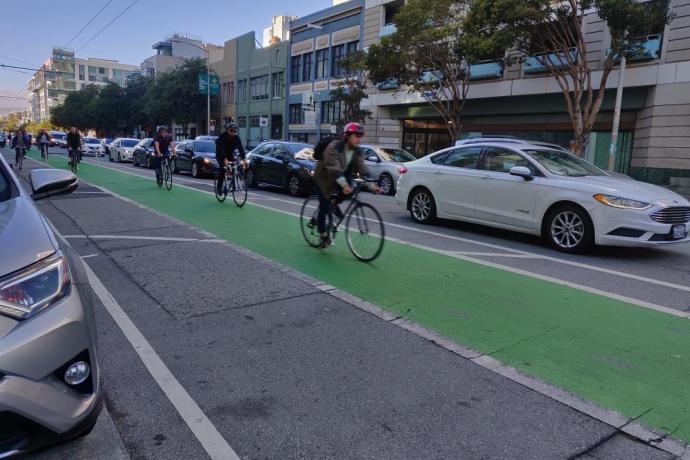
[174,50]
[63,72]
[524,100]
[318,44]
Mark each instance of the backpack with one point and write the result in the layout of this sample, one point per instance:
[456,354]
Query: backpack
[321,146]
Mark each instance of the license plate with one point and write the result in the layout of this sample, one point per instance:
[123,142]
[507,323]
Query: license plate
[678,232]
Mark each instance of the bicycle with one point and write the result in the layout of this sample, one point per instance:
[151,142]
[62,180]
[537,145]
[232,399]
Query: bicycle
[165,174]
[364,230]
[20,153]
[74,157]
[234,175]
[44,152]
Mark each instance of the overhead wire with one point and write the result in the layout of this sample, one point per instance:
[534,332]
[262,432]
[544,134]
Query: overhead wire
[89,23]
[107,25]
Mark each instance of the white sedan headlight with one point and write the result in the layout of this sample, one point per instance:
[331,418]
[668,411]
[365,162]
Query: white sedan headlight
[34,288]
[622,203]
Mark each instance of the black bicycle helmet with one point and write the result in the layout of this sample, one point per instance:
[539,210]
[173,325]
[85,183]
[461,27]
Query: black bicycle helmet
[231,126]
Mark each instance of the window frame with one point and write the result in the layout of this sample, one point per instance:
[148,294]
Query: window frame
[477,161]
[486,150]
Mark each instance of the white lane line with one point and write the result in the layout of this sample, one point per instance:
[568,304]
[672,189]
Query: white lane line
[142,237]
[210,439]
[89,256]
[496,254]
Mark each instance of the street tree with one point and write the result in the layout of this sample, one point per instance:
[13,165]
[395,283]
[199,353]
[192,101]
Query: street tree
[429,54]
[351,90]
[552,32]
[78,109]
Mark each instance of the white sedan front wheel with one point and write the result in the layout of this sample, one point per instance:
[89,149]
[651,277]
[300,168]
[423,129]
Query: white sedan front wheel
[569,229]
[422,206]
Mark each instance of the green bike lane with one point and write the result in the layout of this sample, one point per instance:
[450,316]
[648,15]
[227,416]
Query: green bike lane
[623,357]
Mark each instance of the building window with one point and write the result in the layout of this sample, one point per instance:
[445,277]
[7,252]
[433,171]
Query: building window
[254,122]
[352,47]
[242,122]
[340,52]
[295,69]
[101,70]
[278,84]
[225,96]
[331,112]
[296,114]
[242,91]
[306,67]
[258,88]
[322,63]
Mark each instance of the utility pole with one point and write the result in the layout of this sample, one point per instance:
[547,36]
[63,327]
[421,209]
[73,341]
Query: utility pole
[617,116]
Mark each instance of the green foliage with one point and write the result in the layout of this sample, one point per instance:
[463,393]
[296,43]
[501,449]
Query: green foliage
[11,122]
[352,90]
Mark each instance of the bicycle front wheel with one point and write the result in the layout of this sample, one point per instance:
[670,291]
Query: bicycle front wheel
[364,232]
[308,222]
[221,192]
[167,178]
[239,189]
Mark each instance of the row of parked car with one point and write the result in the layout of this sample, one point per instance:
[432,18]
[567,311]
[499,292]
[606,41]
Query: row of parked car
[520,185]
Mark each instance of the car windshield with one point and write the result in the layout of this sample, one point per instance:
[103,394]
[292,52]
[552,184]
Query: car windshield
[298,147]
[129,142]
[397,155]
[564,164]
[59,136]
[307,153]
[91,140]
[205,146]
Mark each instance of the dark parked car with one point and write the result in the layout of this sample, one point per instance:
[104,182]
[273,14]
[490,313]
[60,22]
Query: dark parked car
[143,153]
[283,164]
[49,376]
[197,157]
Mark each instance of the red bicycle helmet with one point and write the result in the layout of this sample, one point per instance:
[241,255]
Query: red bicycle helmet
[353,128]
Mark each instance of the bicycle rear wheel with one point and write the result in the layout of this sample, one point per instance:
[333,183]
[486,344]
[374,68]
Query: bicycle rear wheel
[167,176]
[307,221]
[239,189]
[364,232]
[222,194]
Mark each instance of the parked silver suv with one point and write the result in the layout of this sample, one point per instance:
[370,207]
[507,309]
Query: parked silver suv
[49,387]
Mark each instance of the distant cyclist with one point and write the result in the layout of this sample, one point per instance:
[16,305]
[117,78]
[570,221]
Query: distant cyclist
[74,145]
[226,145]
[43,141]
[20,142]
[335,172]
[161,147]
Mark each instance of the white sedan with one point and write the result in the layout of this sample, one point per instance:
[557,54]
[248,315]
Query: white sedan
[532,189]
[93,146]
[122,149]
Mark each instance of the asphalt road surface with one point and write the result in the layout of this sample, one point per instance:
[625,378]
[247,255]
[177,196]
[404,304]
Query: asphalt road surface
[281,369]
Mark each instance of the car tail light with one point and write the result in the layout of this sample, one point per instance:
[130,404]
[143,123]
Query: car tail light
[402,170]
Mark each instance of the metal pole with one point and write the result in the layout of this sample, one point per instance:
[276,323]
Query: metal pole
[617,116]
[208,91]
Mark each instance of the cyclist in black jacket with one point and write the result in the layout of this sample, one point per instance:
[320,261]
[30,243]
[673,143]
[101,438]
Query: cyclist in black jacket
[226,144]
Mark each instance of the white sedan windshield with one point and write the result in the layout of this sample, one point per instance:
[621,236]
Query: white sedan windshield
[564,164]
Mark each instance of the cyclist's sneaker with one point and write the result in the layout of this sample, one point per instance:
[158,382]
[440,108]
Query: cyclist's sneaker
[326,242]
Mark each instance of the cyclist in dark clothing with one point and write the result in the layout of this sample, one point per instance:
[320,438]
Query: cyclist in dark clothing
[226,145]
[161,148]
[74,144]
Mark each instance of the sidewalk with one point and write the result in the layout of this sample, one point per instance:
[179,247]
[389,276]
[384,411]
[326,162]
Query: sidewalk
[341,375]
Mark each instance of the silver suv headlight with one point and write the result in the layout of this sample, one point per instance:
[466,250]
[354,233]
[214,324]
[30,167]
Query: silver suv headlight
[620,202]
[29,291]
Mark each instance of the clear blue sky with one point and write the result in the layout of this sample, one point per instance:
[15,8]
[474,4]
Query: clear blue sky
[31,27]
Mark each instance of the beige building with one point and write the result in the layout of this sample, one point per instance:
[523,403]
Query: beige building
[63,72]
[523,100]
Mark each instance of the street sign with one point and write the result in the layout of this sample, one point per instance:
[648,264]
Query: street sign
[263,122]
[203,84]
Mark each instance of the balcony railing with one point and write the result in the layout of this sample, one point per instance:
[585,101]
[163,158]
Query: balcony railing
[646,49]
[486,70]
[559,60]
[388,29]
